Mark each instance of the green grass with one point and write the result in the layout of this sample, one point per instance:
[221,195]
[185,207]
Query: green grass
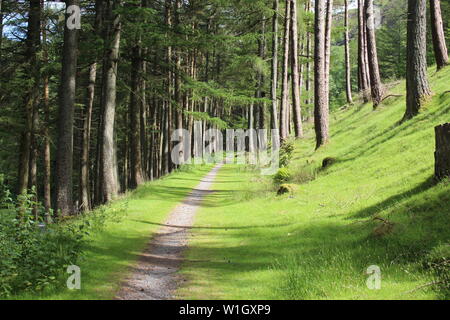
[250,244]
[116,247]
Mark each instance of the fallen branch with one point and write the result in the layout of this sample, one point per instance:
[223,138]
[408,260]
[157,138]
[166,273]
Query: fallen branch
[429,284]
[446,92]
[391,95]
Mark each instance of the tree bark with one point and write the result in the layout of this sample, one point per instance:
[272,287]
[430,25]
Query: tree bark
[328,27]
[348,79]
[320,92]
[298,128]
[134,116]
[64,152]
[417,86]
[85,193]
[274,71]
[437,31]
[46,133]
[442,154]
[374,71]
[109,182]
[363,64]
[284,126]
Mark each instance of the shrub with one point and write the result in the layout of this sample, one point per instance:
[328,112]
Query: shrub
[286,153]
[283,175]
[286,188]
[34,256]
[5,195]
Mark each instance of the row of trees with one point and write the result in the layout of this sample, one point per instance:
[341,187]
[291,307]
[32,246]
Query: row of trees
[137,70]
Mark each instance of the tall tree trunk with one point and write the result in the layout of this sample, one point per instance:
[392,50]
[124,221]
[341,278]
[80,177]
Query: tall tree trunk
[348,79]
[46,134]
[134,116]
[375,79]
[308,55]
[261,78]
[28,145]
[109,182]
[85,193]
[437,31]
[274,71]
[295,72]
[284,129]
[320,100]
[417,87]
[64,152]
[363,64]
[328,27]
[1,26]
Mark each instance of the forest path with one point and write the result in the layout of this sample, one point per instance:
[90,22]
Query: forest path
[155,276]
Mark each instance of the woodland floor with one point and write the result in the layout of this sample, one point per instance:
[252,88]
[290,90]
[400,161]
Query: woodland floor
[156,277]
[317,243]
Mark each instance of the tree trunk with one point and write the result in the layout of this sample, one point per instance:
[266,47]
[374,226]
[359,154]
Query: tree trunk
[374,71]
[320,100]
[134,116]
[64,153]
[437,31]
[274,71]
[417,87]
[109,183]
[348,79]
[442,154]
[46,134]
[328,27]
[295,72]
[308,55]
[85,193]
[363,64]
[284,126]
[1,26]
[261,78]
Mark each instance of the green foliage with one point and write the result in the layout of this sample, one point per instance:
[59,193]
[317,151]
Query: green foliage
[5,195]
[282,175]
[34,256]
[438,261]
[286,152]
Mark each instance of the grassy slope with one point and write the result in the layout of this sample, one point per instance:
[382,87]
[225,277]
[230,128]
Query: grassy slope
[250,244]
[113,250]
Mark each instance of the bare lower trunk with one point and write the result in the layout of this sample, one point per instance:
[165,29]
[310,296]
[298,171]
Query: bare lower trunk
[284,129]
[85,189]
[374,71]
[85,199]
[274,72]
[64,153]
[348,80]
[442,154]
[417,87]
[109,183]
[134,116]
[437,31]
[363,64]
[295,72]
[320,92]
[328,27]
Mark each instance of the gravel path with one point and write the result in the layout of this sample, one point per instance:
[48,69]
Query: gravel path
[155,275]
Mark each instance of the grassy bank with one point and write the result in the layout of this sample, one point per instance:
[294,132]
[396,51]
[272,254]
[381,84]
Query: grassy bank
[317,244]
[115,247]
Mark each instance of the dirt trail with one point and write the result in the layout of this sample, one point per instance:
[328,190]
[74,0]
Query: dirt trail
[155,275]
